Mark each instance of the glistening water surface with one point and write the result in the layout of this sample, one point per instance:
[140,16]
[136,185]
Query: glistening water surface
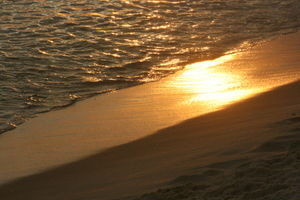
[53,52]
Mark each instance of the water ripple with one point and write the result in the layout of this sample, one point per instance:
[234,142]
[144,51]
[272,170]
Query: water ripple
[53,53]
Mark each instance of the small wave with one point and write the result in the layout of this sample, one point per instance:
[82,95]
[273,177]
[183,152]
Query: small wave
[126,81]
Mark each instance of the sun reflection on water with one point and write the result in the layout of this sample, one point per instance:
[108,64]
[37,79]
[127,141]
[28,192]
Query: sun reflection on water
[212,86]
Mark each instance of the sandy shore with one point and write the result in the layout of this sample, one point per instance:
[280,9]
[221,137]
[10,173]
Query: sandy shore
[91,126]
[259,136]
[230,152]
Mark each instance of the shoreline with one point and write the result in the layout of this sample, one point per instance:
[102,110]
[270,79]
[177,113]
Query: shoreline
[63,136]
[134,114]
[57,108]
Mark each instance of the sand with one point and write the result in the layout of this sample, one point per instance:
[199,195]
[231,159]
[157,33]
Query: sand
[245,150]
[249,149]
[270,170]
[91,126]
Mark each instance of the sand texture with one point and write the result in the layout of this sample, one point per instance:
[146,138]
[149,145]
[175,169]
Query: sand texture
[272,172]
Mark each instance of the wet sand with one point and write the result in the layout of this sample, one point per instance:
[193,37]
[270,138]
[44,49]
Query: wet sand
[239,133]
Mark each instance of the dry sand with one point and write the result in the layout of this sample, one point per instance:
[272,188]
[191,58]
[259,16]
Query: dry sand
[249,150]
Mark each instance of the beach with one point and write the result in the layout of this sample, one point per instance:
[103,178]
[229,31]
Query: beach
[170,139]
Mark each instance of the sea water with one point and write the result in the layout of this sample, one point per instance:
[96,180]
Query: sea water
[54,53]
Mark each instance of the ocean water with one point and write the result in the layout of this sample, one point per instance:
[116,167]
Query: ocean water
[54,53]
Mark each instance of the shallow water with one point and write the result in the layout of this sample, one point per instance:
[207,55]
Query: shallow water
[53,53]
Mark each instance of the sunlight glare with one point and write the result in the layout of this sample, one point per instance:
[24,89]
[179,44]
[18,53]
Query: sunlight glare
[210,85]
